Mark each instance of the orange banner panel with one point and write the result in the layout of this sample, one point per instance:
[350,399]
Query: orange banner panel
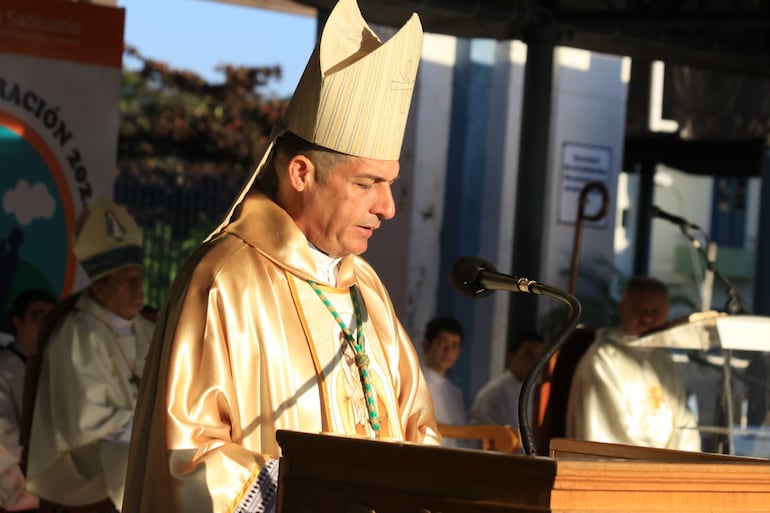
[68,31]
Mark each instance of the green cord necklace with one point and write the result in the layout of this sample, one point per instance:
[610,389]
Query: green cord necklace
[357,344]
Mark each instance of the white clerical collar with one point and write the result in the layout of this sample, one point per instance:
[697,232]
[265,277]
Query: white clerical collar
[326,266]
[121,326]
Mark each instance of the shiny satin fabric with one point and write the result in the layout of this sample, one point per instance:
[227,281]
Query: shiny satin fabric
[244,348]
[629,395]
[85,395]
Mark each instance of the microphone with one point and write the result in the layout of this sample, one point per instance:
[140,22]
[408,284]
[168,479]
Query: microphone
[474,277]
[671,218]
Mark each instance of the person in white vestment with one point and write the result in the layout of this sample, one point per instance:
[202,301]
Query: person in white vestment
[91,366]
[627,394]
[497,402]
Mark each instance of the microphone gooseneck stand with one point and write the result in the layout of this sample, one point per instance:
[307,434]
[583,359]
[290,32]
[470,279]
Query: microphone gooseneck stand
[734,304]
[574,311]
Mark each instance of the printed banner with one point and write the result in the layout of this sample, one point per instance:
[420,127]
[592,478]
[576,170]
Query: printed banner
[60,79]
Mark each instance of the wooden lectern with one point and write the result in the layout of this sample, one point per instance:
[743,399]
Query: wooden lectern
[326,473]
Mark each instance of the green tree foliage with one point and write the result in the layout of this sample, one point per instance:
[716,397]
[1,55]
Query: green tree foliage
[176,120]
[185,148]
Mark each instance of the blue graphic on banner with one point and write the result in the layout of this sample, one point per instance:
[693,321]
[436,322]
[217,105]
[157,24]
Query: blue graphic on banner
[33,229]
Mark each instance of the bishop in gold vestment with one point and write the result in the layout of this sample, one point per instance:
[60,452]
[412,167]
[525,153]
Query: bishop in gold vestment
[275,322]
[248,349]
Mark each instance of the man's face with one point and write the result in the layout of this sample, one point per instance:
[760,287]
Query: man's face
[442,352]
[521,361]
[642,311]
[340,214]
[121,292]
[28,326]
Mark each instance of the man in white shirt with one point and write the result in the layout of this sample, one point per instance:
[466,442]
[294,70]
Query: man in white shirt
[29,309]
[497,402]
[441,347]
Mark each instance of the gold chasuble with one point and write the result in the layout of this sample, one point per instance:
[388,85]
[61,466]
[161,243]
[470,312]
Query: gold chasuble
[248,348]
[248,343]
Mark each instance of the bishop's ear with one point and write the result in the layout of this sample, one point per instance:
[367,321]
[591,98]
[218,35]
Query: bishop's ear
[300,169]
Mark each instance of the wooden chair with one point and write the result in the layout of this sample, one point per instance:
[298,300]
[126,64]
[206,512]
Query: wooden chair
[494,437]
[31,379]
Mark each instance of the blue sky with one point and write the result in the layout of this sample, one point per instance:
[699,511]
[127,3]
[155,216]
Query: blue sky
[197,35]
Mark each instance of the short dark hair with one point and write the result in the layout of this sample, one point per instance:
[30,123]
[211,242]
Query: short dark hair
[439,324]
[520,337]
[23,301]
[288,145]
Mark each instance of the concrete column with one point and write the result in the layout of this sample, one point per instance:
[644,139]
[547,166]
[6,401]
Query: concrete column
[643,228]
[532,180]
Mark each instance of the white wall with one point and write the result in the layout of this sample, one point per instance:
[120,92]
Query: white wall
[431,138]
[588,113]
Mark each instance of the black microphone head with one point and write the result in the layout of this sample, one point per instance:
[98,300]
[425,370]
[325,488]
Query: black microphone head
[465,276]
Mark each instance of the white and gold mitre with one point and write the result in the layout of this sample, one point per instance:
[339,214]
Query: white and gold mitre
[355,92]
[106,238]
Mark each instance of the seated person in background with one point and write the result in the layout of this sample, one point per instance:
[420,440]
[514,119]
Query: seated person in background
[27,313]
[90,370]
[498,401]
[441,347]
[627,394]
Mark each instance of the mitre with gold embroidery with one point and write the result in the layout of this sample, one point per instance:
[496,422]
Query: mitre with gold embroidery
[106,238]
[355,92]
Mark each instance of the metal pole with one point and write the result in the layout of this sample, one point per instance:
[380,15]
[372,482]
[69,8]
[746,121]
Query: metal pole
[707,287]
[727,399]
